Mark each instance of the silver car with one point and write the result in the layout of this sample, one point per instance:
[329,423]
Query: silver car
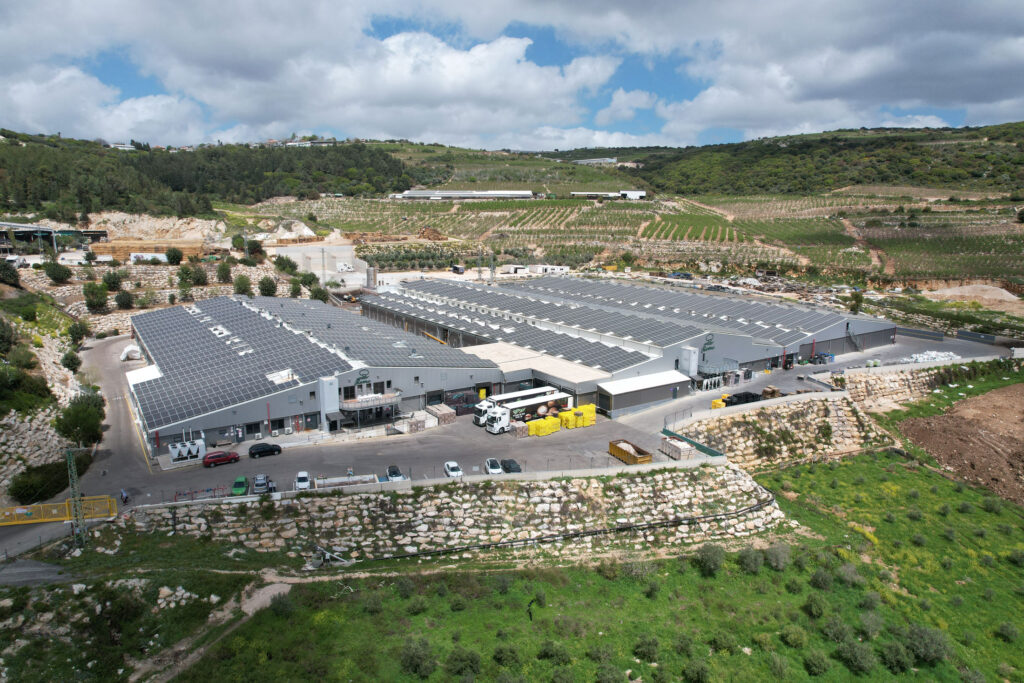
[492,466]
[261,484]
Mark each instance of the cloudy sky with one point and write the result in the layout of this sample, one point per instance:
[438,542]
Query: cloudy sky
[527,74]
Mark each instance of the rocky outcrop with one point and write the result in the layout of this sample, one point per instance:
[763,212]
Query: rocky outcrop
[454,516]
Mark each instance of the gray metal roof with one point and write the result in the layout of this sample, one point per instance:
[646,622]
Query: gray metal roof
[590,353]
[219,352]
[780,323]
[623,325]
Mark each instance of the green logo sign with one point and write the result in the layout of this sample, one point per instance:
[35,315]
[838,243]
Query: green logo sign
[709,343]
[363,377]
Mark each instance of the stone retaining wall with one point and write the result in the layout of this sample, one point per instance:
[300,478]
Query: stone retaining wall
[27,440]
[818,425]
[428,519]
[886,390]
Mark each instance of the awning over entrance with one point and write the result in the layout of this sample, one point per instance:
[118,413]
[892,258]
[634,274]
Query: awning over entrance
[334,417]
[631,384]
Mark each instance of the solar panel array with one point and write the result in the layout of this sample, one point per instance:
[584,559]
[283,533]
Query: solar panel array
[590,353]
[360,338]
[783,324]
[216,354]
[623,325]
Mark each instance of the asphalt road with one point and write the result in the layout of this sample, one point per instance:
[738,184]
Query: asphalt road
[120,461]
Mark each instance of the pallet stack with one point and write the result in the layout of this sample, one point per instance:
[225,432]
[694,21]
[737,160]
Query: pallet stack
[520,430]
[676,449]
[445,415]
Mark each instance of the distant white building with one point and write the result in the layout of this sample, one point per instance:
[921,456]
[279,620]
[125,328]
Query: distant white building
[544,269]
[299,143]
[596,162]
[463,194]
[123,147]
[621,194]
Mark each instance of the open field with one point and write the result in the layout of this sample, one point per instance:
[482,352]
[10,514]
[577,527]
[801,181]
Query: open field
[891,563]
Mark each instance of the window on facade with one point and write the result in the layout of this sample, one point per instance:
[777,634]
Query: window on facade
[312,395]
[388,384]
[349,393]
[416,379]
[277,424]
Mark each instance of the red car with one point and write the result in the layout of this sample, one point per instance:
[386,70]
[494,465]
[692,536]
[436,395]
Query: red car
[214,458]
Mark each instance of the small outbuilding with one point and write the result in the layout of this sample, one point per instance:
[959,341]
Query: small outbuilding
[620,396]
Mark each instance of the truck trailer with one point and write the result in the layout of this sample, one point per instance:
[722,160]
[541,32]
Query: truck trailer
[482,408]
[500,418]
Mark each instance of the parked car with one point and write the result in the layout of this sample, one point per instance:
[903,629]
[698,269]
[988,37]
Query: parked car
[302,482]
[214,458]
[395,474]
[261,484]
[511,465]
[240,487]
[492,466]
[258,450]
[452,469]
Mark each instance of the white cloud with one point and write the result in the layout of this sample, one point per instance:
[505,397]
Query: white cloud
[238,69]
[624,105]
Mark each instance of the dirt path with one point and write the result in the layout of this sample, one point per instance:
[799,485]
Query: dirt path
[714,209]
[640,230]
[182,655]
[980,439]
[876,254]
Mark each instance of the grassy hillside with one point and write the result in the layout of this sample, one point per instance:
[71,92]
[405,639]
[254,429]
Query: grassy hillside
[973,158]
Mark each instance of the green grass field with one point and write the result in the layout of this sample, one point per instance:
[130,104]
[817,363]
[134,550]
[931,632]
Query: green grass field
[897,566]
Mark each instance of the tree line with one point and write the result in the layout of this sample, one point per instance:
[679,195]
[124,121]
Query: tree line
[65,179]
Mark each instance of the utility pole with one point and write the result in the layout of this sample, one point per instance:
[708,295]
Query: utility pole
[492,266]
[479,264]
[323,267]
[77,514]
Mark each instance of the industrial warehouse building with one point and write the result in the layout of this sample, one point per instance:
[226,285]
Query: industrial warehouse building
[234,368]
[463,194]
[583,336]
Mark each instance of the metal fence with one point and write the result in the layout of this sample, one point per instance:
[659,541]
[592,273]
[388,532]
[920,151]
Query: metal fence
[920,334]
[976,336]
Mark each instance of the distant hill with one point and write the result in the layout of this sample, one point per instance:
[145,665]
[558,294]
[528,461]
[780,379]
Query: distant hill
[64,178]
[987,158]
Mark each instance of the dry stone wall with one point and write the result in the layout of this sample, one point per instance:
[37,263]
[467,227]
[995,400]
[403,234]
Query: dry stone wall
[27,440]
[886,390]
[776,434]
[429,519]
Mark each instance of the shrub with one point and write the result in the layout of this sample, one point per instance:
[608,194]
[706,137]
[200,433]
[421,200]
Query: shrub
[174,256]
[295,290]
[506,655]
[914,514]
[794,586]
[286,265]
[112,279]
[540,597]
[224,272]
[417,659]
[77,331]
[858,657]
[282,605]
[553,652]
[815,606]
[1007,632]
[964,507]
[896,658]
[9,274]
[461,662]
[319,294]
[599,653]
[405,587]
[870,625]
[95,296]
[849,575]
[372,603]
[653,587]
[58,273]
[124,300]
[607,673]
[646,648]
[1016,558]
[22,357]
[870,600]
[750,560]
[709,559]
[836,630]
[71,361]
[816,663]
[929,646]
[992,505]
[778,666]
[777,556]
[82,420]
[418,605]
[763,641]
[683,645]
[199,276]
[267,286]
[697,671]
[794,636]
[457,603]
[944,510]
[243,285]
[41,482]
[723,641]
[821,579]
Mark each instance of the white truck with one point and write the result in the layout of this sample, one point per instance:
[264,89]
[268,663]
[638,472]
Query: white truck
[482,408]
[500,418]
